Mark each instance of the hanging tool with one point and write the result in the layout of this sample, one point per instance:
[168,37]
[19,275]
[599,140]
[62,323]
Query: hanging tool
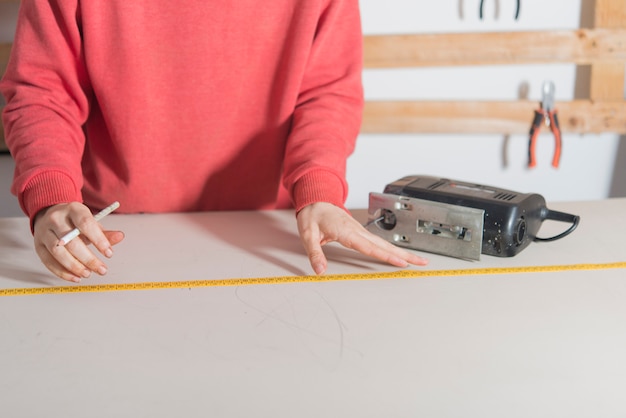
[547,115]
[497,13]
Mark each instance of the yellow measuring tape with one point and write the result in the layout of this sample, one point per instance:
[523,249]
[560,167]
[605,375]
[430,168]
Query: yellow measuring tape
[402,274]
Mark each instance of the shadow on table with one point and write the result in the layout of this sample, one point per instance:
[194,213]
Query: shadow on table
[262,233]
[19,274]
[10,249]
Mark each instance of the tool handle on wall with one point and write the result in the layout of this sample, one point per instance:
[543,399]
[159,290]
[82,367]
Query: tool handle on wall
[556,131]
[534,133]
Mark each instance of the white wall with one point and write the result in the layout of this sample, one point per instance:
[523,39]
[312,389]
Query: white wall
[8,202]
[587,163]
[8,12]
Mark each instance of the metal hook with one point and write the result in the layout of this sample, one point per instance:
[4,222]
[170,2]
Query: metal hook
[497,9]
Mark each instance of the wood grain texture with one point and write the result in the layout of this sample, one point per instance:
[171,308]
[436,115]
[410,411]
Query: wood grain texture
[584,46]
[607,78]
[501,117]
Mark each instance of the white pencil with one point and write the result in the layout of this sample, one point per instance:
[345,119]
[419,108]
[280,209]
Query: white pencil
[76,232]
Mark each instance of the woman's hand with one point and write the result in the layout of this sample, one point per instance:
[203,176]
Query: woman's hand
[72,261]
[321,223]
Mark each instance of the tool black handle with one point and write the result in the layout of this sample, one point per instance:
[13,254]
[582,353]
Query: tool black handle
[534,132]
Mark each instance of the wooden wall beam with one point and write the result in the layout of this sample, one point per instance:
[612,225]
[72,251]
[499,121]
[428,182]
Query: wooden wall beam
[607,79]
[484,117]
[583,46]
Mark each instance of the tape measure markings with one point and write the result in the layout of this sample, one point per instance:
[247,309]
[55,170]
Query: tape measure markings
[402,274]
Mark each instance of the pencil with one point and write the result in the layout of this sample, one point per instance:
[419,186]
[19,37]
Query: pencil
[76,232]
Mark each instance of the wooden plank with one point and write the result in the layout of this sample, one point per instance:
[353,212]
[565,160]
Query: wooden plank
[610,14]
[583,46]
[501,117]
[607,79]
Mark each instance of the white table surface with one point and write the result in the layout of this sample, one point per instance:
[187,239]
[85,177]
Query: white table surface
[516,345]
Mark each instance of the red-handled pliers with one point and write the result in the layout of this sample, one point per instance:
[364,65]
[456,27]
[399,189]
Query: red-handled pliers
[546,114]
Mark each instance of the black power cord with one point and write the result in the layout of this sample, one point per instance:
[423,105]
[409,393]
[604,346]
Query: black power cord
[554,215]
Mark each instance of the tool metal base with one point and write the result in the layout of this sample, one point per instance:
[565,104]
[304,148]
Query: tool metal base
[425,225]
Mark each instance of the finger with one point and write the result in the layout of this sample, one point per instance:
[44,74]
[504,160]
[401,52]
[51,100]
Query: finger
[380,249]
[410,257]
[311,242]
[68,261]
[54,266]
[79,251]
[316,258]
[363,245]
[71,271]
[74,257]
[114,237]
[72,268]
[92,231]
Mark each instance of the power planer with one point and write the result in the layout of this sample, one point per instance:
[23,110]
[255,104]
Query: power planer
[460,219]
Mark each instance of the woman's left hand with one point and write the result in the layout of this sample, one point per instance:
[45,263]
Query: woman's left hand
[321,223]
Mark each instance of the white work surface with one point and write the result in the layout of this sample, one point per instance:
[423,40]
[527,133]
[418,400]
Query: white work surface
[515,345]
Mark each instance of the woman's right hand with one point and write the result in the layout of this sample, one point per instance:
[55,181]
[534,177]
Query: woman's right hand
[74,260]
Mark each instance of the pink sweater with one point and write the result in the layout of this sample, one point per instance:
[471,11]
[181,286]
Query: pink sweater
[187,105]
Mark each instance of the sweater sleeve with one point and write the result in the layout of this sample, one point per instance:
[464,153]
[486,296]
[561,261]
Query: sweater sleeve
[328,114]
[45,87]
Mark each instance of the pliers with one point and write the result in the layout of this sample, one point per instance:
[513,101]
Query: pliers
[547,115]
[482,4]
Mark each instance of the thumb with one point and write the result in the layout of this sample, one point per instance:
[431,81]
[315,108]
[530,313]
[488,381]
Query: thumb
[114,237]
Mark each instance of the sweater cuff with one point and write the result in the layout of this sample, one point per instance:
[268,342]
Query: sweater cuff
[47,189]
[319,186]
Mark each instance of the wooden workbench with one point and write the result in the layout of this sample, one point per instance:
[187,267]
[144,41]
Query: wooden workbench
[513,345]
